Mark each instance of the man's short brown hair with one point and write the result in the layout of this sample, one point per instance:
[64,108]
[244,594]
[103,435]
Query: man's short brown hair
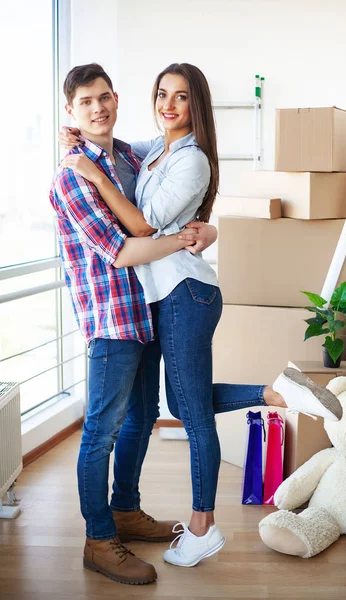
[83,75]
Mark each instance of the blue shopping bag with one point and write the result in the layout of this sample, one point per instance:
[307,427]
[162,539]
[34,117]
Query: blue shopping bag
[252,473]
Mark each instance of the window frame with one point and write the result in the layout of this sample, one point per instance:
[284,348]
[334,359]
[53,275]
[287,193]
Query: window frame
[61,46]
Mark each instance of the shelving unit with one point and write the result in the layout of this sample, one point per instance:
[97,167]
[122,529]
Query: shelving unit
[256,106]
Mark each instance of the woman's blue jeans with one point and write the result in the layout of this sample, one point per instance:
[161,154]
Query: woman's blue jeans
[124,399]
[186,322]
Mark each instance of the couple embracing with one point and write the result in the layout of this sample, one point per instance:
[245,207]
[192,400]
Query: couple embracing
[131,224]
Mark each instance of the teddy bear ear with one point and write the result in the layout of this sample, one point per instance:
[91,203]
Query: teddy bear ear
[337,385]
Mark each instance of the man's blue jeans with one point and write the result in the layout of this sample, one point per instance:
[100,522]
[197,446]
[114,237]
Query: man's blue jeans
[124,399]
[123,407]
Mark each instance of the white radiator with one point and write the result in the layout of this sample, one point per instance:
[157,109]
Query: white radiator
[10,442]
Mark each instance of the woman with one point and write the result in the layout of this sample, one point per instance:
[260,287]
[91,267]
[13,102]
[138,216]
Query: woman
[177,183]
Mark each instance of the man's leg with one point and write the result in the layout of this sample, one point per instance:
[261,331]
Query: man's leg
[143,411]
[113,366]
[141,415]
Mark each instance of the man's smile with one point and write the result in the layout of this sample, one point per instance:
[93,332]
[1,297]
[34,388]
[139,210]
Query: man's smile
[100,119]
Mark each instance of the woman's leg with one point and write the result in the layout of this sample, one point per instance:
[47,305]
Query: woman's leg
[187,320]
[234,396]
[172,402]
[228,397]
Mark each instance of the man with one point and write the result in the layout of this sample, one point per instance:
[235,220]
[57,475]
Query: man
[124,355]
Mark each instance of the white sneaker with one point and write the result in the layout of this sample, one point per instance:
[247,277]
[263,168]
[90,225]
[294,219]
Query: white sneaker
[303,395]
[192,548]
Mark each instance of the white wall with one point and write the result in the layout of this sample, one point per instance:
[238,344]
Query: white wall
[300,48]
[94,28]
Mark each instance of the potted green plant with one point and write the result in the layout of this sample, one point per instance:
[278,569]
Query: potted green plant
[328,322]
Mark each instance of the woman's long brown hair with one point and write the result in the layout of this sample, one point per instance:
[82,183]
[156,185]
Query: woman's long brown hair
[203,124]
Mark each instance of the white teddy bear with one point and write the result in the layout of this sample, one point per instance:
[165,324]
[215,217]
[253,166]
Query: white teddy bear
[322,481]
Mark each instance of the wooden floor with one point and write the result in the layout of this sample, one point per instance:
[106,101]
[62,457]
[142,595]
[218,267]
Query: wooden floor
[41,551]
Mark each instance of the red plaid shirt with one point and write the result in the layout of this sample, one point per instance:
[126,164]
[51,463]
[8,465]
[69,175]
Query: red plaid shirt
[107,302]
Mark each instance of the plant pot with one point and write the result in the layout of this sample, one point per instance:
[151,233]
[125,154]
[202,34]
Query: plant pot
[328,361]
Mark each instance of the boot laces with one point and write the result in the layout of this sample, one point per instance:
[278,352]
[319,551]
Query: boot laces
[148,517]
[119,549]
[182,533]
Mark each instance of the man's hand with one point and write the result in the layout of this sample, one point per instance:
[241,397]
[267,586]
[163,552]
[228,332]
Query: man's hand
[69,137]
[204,235]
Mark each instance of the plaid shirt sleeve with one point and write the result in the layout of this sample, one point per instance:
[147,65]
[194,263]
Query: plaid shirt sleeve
[96,228]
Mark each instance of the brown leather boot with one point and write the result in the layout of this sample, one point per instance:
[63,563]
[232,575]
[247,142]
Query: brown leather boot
[137,525]
[112,559]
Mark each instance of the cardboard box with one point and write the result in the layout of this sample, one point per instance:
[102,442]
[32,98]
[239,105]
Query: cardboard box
[252,345]
[303,195]
[264,208]
[304,436]
[310,139]
[317,372]
[265,262]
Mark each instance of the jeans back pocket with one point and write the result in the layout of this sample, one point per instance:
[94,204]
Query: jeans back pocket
[201,292]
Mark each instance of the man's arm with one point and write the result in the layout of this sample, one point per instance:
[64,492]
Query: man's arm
[138,251]
[203,236]
[75,199]
[99,231]
[104,235]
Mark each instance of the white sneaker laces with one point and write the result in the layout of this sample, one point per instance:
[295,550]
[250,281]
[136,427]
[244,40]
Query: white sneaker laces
[182,533]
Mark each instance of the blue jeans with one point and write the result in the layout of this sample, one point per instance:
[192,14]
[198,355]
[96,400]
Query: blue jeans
[187,319]
[124,400]
[123,407]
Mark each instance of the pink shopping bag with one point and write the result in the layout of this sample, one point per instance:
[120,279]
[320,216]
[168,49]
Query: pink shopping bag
[273,470]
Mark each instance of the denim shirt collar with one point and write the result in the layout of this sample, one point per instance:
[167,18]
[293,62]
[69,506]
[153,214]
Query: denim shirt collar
[187,140]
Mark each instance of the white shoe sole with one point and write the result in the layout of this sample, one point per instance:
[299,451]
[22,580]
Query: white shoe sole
[205,555]
[327,403]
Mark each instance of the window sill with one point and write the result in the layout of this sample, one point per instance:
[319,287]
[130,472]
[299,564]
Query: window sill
[39,427]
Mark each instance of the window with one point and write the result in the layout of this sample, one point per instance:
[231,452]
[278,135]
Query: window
[27,131]
[40,345]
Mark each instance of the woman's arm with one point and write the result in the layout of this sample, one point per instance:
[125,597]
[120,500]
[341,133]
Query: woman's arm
[142,149]
[129,215]
[69,138]
[138,251]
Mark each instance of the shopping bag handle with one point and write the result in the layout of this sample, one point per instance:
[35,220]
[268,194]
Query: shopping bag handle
[274,416]
[253,420]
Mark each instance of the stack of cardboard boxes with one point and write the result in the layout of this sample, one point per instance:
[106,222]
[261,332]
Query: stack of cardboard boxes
[263,263]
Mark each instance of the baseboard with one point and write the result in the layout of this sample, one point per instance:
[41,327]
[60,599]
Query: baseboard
[168,423]
[65,433]
[53,441]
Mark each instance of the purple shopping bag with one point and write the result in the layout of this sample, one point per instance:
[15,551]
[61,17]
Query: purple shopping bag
[252,473]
